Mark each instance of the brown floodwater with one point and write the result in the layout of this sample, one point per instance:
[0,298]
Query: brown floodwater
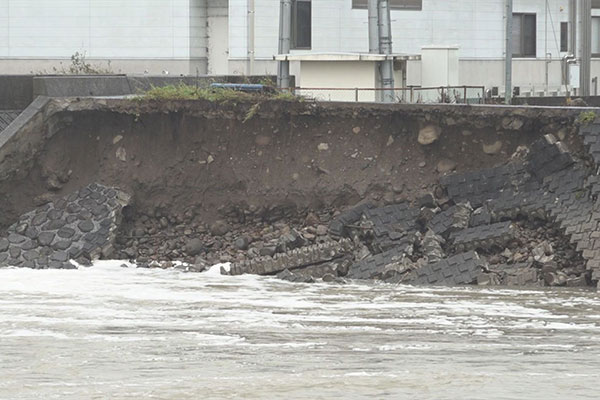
[125,333]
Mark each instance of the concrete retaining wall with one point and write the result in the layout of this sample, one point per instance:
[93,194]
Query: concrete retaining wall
[122,85]
[16,91]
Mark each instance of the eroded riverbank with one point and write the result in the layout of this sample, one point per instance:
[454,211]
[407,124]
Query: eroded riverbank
[411,194]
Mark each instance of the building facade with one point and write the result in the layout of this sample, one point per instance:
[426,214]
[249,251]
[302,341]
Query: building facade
[241,36]
[135,36]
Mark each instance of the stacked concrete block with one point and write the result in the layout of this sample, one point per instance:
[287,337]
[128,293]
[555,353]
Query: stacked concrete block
[461,269]
[476,187]
[376,265]
[83,224]
[483,237]
[548,156]
[453,219]
[393,218]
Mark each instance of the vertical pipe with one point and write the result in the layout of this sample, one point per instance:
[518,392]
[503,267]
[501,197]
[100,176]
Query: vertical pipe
[385,45]
[572,27]
[586,47]
[547,79]
[285,33]
[251,36]
[509,51]
[373,27]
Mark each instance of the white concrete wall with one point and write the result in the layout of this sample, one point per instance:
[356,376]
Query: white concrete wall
[476,26]
[338,74]
[179,35]
[135,35]
[4,28]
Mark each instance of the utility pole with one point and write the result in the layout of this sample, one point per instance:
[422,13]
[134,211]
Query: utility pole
[385,46]
[509,52]
[285,34]
[373,27]
[585,47]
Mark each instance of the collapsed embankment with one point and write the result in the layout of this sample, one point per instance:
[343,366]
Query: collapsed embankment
[227,181]
[211,156]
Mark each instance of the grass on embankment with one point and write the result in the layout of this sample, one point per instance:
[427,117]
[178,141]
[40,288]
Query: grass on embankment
[218,95]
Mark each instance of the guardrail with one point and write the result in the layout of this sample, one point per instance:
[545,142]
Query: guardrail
[410,94]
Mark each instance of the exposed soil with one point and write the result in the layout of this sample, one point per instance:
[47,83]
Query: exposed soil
[219,173]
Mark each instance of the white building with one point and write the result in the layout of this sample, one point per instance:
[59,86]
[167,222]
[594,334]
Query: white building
[136,36]
[241,36]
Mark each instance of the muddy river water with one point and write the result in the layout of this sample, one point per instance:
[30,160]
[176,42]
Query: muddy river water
[125,333]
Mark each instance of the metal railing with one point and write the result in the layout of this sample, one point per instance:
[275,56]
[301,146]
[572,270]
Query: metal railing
[410,94]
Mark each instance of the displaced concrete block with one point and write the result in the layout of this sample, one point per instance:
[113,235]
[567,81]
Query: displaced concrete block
[294,259]
[461,269]
[483,237]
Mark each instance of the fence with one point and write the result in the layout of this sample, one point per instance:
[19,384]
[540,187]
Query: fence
[411,94]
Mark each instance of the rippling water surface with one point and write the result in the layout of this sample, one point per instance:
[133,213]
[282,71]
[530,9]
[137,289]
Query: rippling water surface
[125,333]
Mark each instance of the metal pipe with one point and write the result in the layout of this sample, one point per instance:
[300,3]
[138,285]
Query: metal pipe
[548,60]
[586,48]
[251,36]
[285,33]
[385,46]
[373,27]
[509,51]
[573,27]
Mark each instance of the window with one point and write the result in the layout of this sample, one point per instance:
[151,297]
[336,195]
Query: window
[564,36]
[524,35]
[394,4]
[596,36]
[301,24]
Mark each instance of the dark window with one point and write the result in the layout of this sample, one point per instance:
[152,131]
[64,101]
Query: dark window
[524,35]
[394,4]
[301,24]
[595,3]
[564,36]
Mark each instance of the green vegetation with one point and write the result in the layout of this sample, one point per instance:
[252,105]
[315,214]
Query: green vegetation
[187,92]
[183,91]
[285,95]
[586,117]
[251,112]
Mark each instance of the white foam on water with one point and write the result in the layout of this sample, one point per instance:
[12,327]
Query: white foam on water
[172,334]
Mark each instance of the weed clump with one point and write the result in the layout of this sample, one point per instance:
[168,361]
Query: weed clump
[586,117]
[79,66]
[183,91]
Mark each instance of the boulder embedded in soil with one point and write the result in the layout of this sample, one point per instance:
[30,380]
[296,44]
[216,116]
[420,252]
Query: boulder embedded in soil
[445,165]
[429,134]
[219,228]
[193,247]
[492,149]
